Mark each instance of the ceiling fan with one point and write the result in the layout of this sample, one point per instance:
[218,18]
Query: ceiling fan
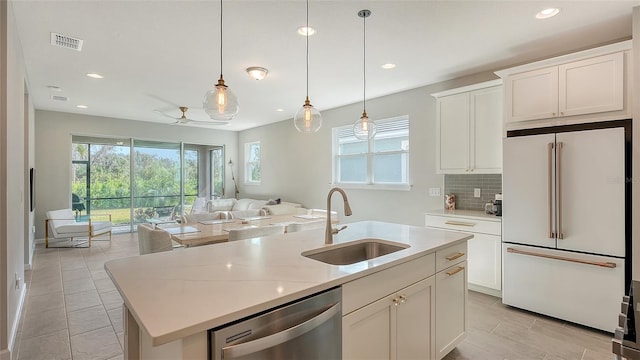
[184,120]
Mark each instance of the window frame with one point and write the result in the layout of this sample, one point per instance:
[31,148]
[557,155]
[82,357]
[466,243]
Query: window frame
[248,164]
[370,154]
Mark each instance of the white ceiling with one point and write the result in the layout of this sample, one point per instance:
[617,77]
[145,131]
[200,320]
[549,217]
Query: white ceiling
[159,54]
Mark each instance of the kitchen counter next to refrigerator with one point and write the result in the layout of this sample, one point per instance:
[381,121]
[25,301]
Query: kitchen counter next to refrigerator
[472,214]
[484,258]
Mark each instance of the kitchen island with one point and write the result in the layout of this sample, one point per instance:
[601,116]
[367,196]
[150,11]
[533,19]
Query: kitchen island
[171,299]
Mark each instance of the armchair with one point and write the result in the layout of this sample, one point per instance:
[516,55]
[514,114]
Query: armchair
[62,224]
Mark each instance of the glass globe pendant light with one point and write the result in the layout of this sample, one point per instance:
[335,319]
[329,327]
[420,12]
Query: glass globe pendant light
[308,118]
[220,103]
[364,128]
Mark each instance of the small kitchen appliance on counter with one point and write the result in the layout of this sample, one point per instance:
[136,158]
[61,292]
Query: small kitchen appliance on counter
[497,205]
[626,344]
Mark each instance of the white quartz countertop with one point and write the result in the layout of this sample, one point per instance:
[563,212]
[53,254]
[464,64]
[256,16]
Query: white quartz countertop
[471,214]
[179,293]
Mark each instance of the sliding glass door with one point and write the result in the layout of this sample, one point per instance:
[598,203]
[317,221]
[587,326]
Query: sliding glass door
[156,180]
[100,182]
[139,180]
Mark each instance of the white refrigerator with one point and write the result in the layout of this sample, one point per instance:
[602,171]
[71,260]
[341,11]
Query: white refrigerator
[565,224]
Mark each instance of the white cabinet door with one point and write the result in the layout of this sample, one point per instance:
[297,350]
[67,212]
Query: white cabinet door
[591,191]
[592,85]
[532,95]
[451,309]
[398,326]
[415,327]
[452,139]
[367,333]
[486,131]
[485,261]
[527,211]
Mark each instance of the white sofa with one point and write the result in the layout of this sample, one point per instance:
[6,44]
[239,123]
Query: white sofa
[238,208]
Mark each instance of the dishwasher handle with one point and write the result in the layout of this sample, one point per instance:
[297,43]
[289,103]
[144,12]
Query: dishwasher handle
[250,347]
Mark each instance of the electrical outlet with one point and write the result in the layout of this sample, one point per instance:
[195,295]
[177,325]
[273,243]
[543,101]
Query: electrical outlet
[476,192]
[33,229]
[434,191]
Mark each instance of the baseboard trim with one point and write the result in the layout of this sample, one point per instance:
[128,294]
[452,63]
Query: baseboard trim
[16,323]
[485,290]
[5,354]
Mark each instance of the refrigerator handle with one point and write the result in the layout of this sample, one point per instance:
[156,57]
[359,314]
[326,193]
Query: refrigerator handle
[559,187]
[552,235]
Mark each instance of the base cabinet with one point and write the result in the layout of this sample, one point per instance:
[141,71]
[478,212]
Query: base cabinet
[484,250]
[409,319]
[398,326]
[451,299]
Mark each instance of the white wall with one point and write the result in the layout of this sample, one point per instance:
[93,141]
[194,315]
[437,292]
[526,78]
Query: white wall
[297,167]
[12,172]
[53,131]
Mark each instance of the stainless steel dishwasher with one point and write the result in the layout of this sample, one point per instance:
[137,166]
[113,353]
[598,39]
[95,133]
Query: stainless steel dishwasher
[310,328]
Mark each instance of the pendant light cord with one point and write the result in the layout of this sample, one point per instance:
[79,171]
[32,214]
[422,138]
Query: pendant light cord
[307,36]
[220,38]
[364,63]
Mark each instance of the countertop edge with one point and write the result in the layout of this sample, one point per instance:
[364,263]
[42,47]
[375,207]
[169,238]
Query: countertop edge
[465,214]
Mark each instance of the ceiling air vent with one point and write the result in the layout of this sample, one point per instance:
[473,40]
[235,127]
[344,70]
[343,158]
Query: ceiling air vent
[59,98]
[66,42]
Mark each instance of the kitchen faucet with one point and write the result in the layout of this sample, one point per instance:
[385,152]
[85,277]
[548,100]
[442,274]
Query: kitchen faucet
[330,230]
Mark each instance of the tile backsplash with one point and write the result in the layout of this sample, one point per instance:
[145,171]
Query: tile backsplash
[462,187]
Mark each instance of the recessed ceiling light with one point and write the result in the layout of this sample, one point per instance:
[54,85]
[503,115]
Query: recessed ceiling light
[306,31]
[388,66]
[81,106]
[54,88]
[547,13]
[279,110]
[95,76]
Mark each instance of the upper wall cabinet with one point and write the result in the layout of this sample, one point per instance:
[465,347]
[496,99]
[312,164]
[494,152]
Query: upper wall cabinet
[587,86]
[469,129]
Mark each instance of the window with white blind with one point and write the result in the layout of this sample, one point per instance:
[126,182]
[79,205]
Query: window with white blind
[379,163]
[252,163]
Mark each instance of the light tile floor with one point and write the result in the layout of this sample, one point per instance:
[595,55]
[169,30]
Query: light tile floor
[73,311]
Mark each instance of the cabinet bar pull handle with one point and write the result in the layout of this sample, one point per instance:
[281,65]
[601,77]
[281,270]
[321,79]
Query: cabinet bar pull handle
[559,186]
[455,256]
[563,258]
[455,271]
[550,188]
[459,223]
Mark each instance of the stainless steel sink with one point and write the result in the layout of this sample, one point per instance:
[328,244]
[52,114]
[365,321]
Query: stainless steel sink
[355,251]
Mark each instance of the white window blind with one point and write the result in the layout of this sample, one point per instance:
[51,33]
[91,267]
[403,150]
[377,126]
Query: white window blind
[383,160]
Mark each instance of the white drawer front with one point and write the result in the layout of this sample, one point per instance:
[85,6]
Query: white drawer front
[570,286]
[360,292]
[464,224]
[451,256]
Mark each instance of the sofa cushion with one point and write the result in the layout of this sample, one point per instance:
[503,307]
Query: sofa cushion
[82,228]
[281,209]
[295,205]
[221,204]
[248,204]
[241,214]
